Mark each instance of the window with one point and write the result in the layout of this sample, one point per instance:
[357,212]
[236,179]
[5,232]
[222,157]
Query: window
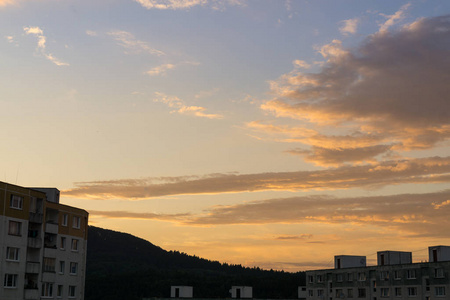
[12,254]
[15,228]
[310,279]
[62,266]
[72,291]
[320,293]
[397,275]
[65,218]
[398,292]
[16,202]
[319,278]
[384,275]
[62,245]
[361,276]
[47,289]
[59,292]
[439,273]
[10,281]
[310,293]
[74,245]
[49,264]
[439,291]
[339,293]
[384,292]
[73,268]
[361,293]
[339,278]
[349,293]
[349,276]
[412,291]
[411,274]
[76,222]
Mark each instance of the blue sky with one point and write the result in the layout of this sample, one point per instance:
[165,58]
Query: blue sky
[235,129]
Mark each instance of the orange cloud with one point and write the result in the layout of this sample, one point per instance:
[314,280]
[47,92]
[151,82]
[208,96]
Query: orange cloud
[391,87]
[423,170]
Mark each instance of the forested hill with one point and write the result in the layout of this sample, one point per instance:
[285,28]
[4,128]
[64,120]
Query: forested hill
[121,266]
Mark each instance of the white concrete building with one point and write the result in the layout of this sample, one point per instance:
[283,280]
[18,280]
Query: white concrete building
[394,277]
[42,245]
[181,292]
[239,292]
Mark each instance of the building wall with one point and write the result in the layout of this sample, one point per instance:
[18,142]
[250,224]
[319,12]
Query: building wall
[413,281]
[36,269]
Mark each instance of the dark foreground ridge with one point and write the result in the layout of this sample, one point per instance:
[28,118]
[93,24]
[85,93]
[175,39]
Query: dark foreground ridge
[121,266]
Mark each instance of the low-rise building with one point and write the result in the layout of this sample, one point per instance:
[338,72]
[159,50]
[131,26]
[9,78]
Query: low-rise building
[42,245]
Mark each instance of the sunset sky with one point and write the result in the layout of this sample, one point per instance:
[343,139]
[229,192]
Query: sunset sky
[270,133]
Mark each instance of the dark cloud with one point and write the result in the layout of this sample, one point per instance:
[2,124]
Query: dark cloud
[412,214]
[423,170]
[338,156]
[394,85]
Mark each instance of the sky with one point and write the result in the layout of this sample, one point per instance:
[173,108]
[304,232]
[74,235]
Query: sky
[268,133]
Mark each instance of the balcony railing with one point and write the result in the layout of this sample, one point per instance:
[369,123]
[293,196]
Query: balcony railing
[34,242]
[51,228]
[31,293]
[36,217]
[32,267]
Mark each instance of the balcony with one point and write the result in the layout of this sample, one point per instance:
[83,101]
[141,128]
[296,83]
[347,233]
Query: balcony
[36,217]
[32,267]
[34,242]
[31,293]
[50,252]
[51,228]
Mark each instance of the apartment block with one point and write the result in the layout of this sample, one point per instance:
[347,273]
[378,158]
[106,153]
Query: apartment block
[394,277]
[42,245]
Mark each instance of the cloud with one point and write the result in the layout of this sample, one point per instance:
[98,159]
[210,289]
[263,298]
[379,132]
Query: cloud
[91,33]
[294,237]
[301,64]
[337,156]
[6,2]
[133,45]
[187,4]
[133,215]
[180,107]
[413,214]
[395,18]
[391,87]
[41,46]
[408,215]
[349,26]
[160,70]
[416,171]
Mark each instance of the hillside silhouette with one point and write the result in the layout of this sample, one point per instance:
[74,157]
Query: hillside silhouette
[122,266]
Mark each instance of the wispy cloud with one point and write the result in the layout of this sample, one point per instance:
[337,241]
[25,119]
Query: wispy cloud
[187,4]
[133,45]
[349,26]
[381,89]
[140,215]
[391,20]
[413,214]
[417,171]
[180,107]
[160,70]
[41,46]
[91,33]
[408,214]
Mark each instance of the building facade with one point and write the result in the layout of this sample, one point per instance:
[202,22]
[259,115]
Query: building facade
[42,245]
[394,277]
